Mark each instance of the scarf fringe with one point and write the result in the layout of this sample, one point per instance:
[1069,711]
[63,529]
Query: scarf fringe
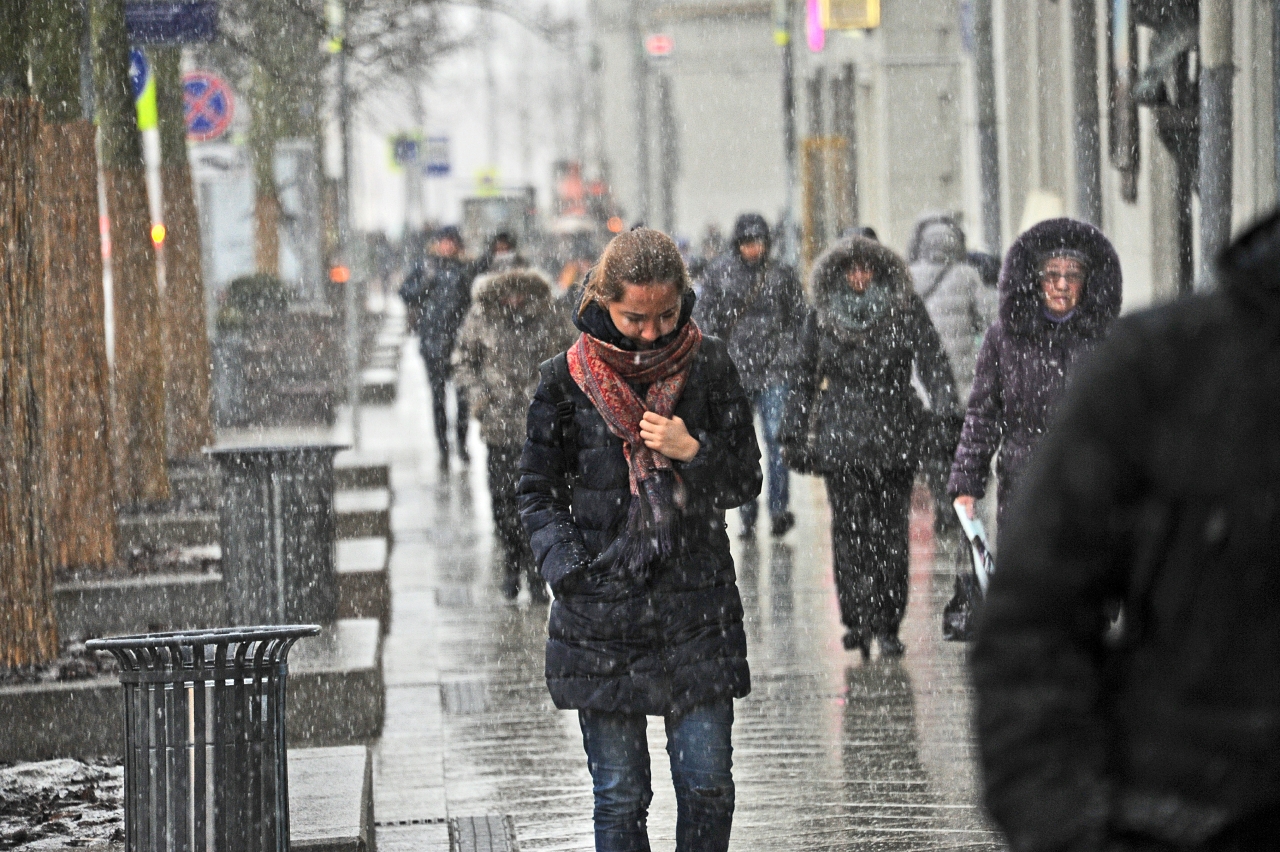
[654,530]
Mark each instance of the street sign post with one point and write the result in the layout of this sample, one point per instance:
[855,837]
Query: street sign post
[171,22]
[406,149]
[437,159]
[144,89]
[208,104]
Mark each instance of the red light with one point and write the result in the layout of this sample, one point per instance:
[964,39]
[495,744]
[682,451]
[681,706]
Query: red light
[339,275]
[614,224]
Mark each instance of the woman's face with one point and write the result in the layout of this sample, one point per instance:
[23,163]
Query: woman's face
[859,278]
[646,311]
[1061,283]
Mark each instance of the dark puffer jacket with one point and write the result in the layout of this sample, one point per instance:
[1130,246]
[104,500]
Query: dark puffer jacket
[437,291]
[759,308]
[612,645]
[1158,486]
[853,390]
[1025,358]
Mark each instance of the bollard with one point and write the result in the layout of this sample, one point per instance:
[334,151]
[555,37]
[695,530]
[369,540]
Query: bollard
[205,766]
[277,530]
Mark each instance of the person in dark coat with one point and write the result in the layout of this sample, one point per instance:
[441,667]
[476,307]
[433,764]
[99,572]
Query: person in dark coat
[513,325]
[640,437]
[437,292]
[758,306]
[1158,490]
[1060,288]
[854,417]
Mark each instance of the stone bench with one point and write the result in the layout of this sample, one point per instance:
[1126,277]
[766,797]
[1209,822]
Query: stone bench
[331,800]
[358,514]
[364,584]
[190,601]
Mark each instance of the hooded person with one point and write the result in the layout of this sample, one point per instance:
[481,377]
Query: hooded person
[513,325]
[639,437]
[437,292]
[757,306]
[1157,489]
[854,417]
[1060,288]
[960,307]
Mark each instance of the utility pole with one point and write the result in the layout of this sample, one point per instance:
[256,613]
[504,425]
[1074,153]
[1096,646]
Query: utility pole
[1215,132]
[640,77]
[346,278]
[984,62]
[1088,141]
[782,28]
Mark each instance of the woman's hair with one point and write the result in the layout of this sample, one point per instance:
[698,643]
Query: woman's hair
[640,256]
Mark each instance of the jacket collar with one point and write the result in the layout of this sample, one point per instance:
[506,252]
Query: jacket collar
[595,321]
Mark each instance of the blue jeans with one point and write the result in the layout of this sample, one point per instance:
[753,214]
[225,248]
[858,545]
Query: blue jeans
[701,751]
[768,404]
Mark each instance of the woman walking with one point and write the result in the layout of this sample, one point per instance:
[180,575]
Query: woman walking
[639,438]
[1060,289]
[854,417]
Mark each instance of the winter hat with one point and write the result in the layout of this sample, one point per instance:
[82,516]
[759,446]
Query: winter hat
[939,242]
[1068,253]
[450,232]
[750,227]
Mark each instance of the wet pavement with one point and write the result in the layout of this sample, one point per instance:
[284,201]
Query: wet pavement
[830,753]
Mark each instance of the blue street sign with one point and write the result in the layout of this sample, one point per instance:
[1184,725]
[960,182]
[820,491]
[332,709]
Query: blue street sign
[405,149]
[139,71]
[171,21]
[437,156]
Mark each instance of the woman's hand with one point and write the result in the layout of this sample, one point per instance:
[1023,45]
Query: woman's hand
[966,501]
[668,436]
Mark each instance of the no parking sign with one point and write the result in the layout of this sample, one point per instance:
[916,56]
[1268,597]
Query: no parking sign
[208,104]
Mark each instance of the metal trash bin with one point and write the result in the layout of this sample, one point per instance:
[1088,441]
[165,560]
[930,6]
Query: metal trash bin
[278,529]
[205,766]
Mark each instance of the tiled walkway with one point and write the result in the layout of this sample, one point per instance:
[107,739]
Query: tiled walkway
[829,753]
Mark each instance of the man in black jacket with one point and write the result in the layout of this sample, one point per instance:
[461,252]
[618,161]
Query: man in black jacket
[756,305]
[1157,493]
[437,292]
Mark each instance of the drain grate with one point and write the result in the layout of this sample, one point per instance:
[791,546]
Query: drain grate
[395,823]
[489,833]
[460,697]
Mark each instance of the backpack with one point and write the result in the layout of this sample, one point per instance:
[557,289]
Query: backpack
[555,375]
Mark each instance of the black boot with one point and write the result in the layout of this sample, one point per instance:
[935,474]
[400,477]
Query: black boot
[861,641]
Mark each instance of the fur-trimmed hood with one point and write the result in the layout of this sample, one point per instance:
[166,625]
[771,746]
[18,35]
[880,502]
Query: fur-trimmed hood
[1021,308]
[490,291]
[915,245]
[889,269]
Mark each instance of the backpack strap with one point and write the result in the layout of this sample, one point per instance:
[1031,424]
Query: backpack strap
[555,374]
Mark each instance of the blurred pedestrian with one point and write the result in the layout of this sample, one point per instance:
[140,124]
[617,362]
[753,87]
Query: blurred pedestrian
[961,309]
[513,325]
[854,417]
[1060,288]
[1156,489]
[502,254]
[639,438]
[437,292]
[757,306]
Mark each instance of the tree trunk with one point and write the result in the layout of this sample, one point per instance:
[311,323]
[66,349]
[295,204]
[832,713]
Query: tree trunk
[186,340]
[82,513]
[266,244]
[81,509]
[139,415]
[28,631]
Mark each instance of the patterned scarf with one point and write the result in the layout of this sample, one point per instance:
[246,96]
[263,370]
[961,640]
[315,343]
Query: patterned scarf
[605,373]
